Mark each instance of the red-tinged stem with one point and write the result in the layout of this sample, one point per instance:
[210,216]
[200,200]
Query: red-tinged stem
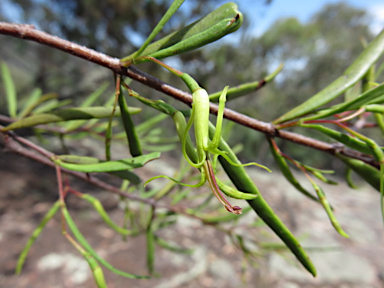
[74,192]
[216,190]
[353,115]
[286,125]
[59,183]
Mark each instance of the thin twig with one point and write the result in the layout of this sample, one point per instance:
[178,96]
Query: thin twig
[12,144]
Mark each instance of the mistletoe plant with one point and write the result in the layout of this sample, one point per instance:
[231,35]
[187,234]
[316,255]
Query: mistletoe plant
[360,153]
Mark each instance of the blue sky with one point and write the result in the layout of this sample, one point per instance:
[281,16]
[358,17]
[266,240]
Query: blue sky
[264,16]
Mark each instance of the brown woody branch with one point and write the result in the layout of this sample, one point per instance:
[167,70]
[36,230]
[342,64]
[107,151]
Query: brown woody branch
[28,32]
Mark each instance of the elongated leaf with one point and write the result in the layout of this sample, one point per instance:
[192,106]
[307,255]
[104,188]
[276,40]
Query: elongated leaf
[354,73]
[244,183]
[328,209]
[379,70]
[368,97]
[10,90]
[171,247]
[146,126]
[30,103]
[369,173]
[284,168]
[348,178]
[232,192]
[129,127]
[320,176]
[353,92]
[97,272]
[50,100]
[150,249]
[246,88]
[35,235]
[343,138]
[104,215]
[94,95]
[110,166]
[86,103]
[79,237]
[50,105]
[379,117]
[224,20]
[171,10]
[179,196]
[65,115]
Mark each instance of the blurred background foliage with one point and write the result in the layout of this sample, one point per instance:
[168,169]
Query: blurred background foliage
[315,53]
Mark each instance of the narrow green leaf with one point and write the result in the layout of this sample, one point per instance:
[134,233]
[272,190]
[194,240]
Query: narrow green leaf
[97,272]
[284,168]
[129,127]
[91,98]
[31,109]
[328,209]
[50,105]
[150,249]
[232,192]
[354,73]
[95,268]
[320,176]
[353,92]
[348,178]
[224,20]
[110,166]
[147,125]
[79,237]
[375,108]
[104,215]
[369,173]
[342,138]
[30,103]
[65,115]
[10,90]
[246,88]
[379,117]
[171,10]
[35,235]
[244,183]
[379,71]
[159,148]
[368,97]
[86,103]
[171,247]
[179,196]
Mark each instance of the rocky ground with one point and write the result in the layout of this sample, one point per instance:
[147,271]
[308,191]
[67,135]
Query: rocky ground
[27,190]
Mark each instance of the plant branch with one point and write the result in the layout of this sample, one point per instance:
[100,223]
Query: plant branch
[11,142]
[29,32]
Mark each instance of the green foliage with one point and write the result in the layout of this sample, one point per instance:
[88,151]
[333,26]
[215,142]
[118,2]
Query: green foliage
[10,90]
[316,46]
